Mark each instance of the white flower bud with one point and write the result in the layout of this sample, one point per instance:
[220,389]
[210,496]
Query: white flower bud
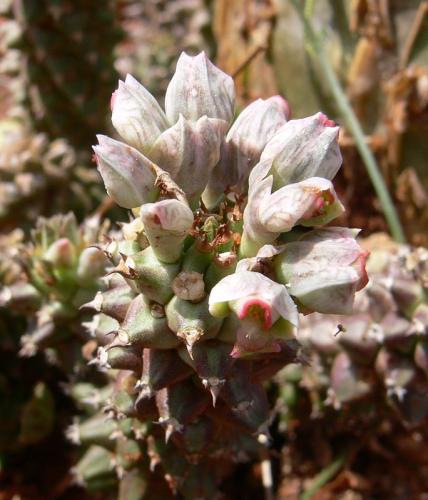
[128,176]
[189,151]
[136,115]
[324,269]
[166,224]
[198,88]
[304,148]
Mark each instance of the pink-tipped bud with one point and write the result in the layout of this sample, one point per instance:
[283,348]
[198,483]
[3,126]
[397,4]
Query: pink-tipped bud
[324,269]
[166,224]
[304,148]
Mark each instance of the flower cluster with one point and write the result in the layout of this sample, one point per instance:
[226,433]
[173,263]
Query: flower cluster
[227,207]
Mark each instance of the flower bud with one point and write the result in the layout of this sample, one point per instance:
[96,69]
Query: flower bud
[267,215]
[324,269]
[189,151]
[91,266]
[166,224]
[245,142]
[129,177]
[199,88]
[309,203]
[255,296]
[136,115]
[304,148]
[61,253]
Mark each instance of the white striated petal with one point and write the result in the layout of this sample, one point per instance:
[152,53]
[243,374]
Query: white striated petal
[304,148]
[167,215]
[136,115]
[313,201]
[189,151]
[198,88]
[324,269]
[128,176]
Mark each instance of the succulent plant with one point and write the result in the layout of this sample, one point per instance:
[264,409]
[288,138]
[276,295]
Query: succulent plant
[65,71]
[57,273]
[48,77]
[210,275]
[40,177]
[374,362]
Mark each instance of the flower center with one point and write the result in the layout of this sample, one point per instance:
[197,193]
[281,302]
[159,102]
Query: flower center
[258,311]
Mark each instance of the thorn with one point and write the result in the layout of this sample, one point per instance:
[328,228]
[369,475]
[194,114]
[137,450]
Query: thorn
[214,385]
[169,431]
[95,304]
[171,425]
[190,335]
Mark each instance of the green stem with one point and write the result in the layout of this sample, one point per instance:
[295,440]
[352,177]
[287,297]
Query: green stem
[316,49]
[323,477]
[309,8]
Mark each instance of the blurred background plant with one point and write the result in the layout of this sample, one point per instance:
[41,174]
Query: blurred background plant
[360,398]
[56,76]
[363,396]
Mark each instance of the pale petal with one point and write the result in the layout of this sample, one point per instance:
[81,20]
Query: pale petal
[249,134]
[167,215]
[235,286]
[128,176]
[189,151]
[311,201]
[304,148]
[286,307]
[321,270]
[166,224]
[258,173]
[137,116]
[198,88]
[249,284]
[260,188]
